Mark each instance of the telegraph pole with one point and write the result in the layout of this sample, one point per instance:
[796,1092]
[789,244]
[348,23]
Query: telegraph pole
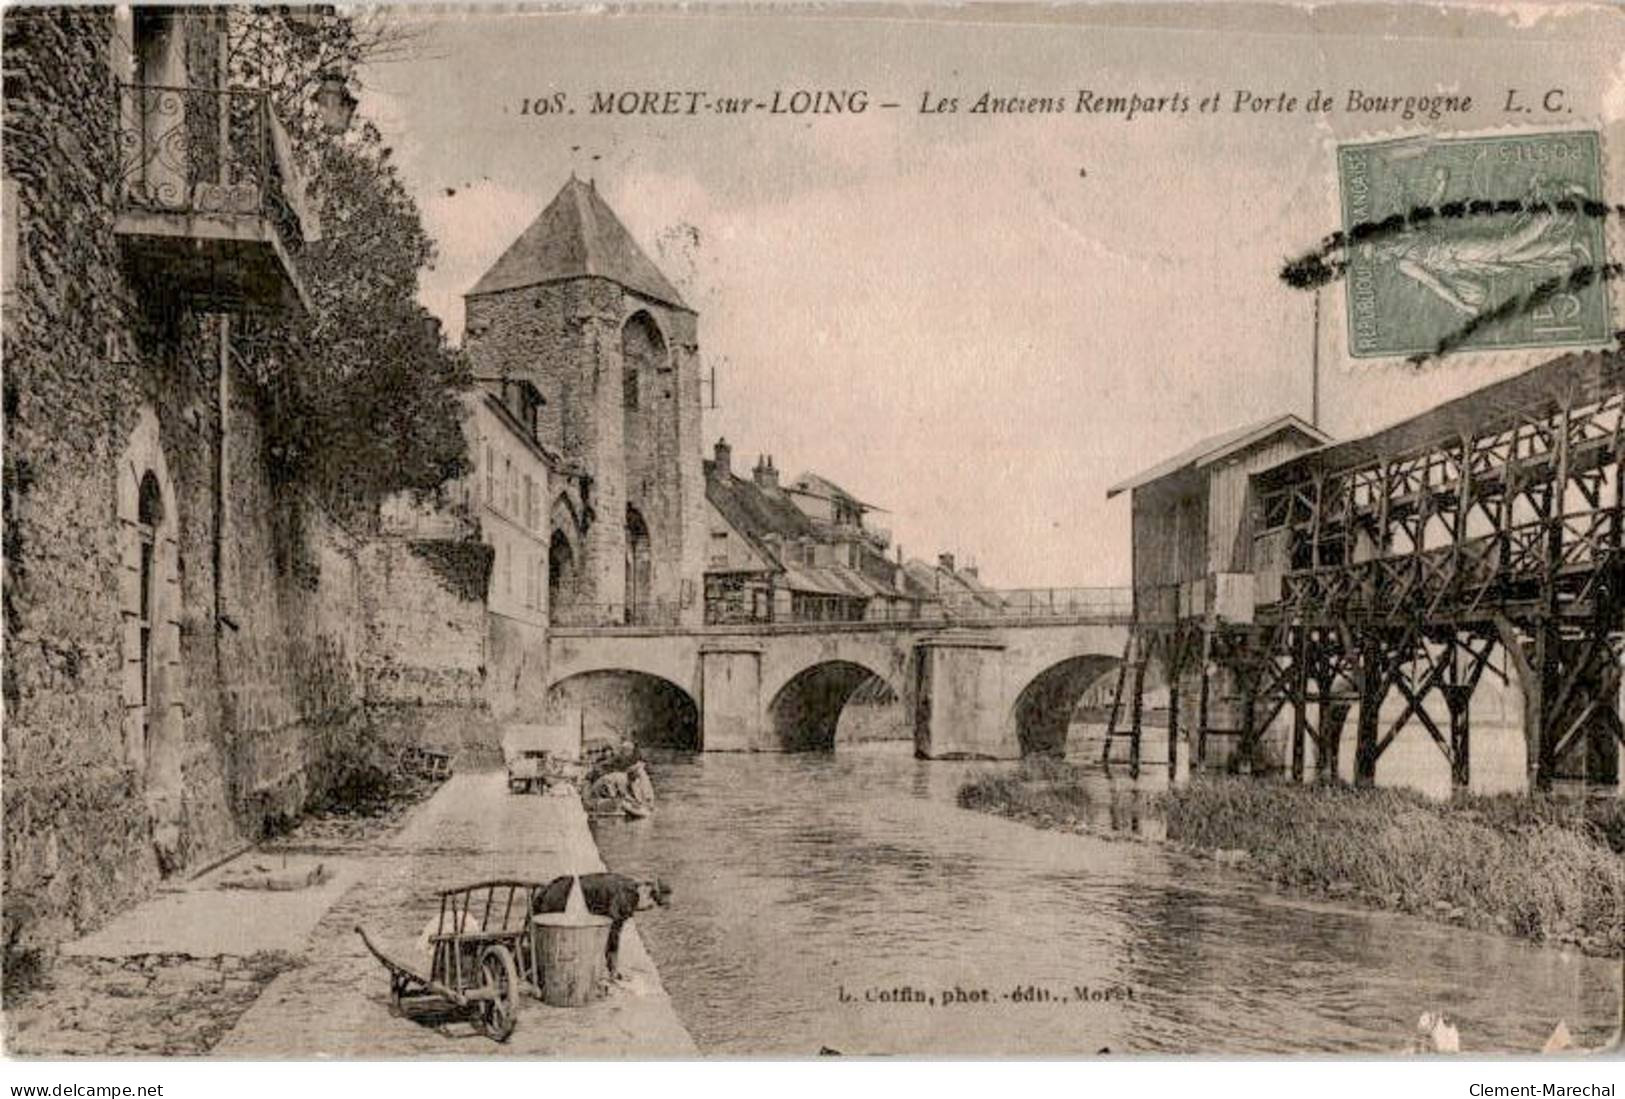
[1314,368]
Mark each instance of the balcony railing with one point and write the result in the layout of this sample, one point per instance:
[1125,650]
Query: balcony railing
[200,150]
[209,165]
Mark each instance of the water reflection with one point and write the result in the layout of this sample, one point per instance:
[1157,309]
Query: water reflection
[815,893]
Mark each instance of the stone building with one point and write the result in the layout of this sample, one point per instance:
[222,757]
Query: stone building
[502,504]
[796,553]
[162,677]
[187,637]
[511,481]
[949,584]
[576,308]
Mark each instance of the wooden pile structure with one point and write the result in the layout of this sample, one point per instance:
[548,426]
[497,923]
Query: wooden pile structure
[1394,565]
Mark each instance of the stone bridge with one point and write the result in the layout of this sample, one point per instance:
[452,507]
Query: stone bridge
[993,690]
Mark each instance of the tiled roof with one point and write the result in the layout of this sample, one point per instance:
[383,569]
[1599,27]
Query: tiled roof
[936,582]
[822,487]
[755,514]
[765,517]
[577,235]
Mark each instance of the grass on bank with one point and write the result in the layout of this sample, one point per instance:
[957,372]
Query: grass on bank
[1545,869]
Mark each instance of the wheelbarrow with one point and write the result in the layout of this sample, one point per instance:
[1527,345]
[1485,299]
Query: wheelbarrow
[483,956]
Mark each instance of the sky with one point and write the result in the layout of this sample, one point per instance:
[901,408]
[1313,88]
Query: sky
[978,323]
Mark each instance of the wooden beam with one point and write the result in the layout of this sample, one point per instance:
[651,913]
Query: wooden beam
[1117,703]
[1136,712]
[1415,702]
[1576,727]
[1300,701]
[1202,698]
[1373,687]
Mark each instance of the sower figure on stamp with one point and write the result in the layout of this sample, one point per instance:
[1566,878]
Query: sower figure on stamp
[1538,242]
[615,896]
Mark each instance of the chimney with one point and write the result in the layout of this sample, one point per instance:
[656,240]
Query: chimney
[971,571]
[945,562]
[723,466]
[767,477]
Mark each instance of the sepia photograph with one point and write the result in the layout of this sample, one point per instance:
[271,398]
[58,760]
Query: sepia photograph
[668,532]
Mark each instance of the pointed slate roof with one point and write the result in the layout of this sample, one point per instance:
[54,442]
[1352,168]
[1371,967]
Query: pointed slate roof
[578,235]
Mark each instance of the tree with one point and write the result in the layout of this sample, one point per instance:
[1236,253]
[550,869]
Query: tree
[364,393]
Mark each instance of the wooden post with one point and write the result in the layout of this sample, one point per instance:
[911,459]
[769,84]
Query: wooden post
[1548,659]
[1619,496]
[1330,716]
[1386,486]
[1202,700]
[1526,667]
[1137,708]
[1176,664]
[1460,738]
[1371,692]
[1547,679]
[1249,713]
[1117,703]
[1300,700]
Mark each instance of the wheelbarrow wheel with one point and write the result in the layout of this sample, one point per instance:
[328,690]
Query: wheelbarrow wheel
[499,979]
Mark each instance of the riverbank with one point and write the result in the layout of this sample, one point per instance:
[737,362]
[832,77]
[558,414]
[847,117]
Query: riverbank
[1539,869]
[473,829]
[326,996]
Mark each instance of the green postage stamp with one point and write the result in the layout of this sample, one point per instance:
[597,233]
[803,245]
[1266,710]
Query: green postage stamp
[1479,224]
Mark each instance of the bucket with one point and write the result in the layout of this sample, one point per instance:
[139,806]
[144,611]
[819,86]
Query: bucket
[569,948]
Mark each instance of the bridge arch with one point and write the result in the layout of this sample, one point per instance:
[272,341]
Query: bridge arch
[805,712]
[1043,708]
[617,703]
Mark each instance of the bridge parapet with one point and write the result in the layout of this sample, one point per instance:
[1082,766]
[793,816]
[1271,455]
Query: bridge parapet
[1009,608]
[966,687]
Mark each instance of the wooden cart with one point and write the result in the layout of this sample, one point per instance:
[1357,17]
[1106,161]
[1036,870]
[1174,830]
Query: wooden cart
[483,953]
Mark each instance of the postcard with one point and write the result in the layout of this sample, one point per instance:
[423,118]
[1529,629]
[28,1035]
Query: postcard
[658,532]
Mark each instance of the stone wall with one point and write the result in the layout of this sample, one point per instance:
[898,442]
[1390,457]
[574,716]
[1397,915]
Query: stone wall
[424,665]
[77,834]
[262,611]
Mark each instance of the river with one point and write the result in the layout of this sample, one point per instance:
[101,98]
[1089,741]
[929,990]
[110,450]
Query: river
[843,900]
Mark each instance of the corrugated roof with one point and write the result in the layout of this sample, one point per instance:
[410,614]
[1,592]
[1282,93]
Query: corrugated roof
[1215,447]
[1582,377]
[577,235]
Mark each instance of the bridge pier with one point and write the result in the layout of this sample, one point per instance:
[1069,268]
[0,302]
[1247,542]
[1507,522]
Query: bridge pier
[988,691]
[960,699]
[731,713]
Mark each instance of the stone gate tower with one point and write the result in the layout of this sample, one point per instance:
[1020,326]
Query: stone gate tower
[575,306]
